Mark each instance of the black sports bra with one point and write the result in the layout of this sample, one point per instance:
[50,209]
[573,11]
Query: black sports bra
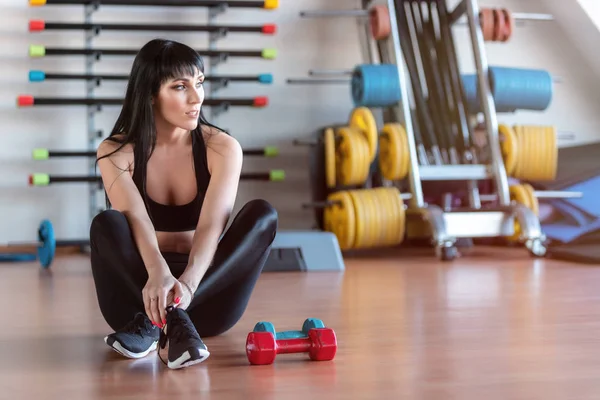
[179,218]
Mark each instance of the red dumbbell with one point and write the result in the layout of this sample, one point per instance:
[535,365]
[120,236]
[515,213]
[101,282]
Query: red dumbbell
[261,347]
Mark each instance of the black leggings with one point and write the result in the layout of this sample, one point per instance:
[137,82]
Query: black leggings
[222,295]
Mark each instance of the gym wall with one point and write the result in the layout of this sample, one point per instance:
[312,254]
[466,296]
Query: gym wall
[293,112]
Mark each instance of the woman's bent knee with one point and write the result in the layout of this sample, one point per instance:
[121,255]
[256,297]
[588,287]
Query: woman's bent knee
[106,221]
[262,215]
[109,231]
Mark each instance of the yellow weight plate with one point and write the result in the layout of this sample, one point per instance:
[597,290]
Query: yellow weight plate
[359,147]
[533,201]
[362,160]
[384,222]
[398,205]
[404,153]
[529,153]
[394,161]
[330,157]
[537,154]
[368,161]
[370,222]
[361,220]
[347,157]
[352,158]
[340,219]
[519,194]
[391,216]
[366,218]
[508,146]
[363,119]
[549,158]
[377,223]
[389,153]
[552,140]
[341,149]
[363,164]
[532,157]
[534,166]
[381,218]
[366,166]
[521,147]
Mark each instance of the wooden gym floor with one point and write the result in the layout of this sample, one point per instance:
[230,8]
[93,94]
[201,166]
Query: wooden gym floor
[494,324]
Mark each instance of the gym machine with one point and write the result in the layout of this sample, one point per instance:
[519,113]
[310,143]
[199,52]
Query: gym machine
[429,136]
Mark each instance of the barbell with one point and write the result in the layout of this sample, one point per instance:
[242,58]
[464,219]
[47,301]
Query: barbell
[40,154]
[41,179]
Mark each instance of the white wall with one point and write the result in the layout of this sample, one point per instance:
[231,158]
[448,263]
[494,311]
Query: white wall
[580,23]
[295,111]
[592,8]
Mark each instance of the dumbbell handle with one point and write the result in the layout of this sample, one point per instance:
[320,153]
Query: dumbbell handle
[296,345]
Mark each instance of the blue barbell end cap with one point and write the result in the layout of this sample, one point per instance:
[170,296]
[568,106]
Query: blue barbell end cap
[265,78]
[36,76]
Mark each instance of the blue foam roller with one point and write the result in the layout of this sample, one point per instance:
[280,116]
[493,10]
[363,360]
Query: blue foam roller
[375,85]
[471,92]
[520,89]
[37,76]
[265,78]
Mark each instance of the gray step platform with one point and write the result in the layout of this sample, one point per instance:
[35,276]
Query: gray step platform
[304,251]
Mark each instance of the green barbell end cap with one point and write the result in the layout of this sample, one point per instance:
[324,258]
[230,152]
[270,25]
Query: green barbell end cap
[39,179]
[271,151]
[37,50]
[277,175]
[269,53]
[41,154]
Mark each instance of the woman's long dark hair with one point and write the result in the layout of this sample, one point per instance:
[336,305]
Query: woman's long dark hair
[157,61]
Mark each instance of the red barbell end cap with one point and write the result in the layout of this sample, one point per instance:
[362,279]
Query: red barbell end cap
[36,25]
[261,101]
[25,101]
[269,29]
[30,180]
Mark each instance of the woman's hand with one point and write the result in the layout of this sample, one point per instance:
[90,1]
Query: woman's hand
[161,283]
[185,296]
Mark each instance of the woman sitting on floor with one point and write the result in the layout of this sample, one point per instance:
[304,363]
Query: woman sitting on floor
[161,268]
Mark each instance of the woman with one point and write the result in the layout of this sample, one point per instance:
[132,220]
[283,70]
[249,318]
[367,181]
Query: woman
[160,266]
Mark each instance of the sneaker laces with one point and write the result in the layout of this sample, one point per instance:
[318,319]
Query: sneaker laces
[180,329]
[138,325]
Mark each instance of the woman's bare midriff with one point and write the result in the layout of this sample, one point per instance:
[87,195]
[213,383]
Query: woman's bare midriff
[175,242]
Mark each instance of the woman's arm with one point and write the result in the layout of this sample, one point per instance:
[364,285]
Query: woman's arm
[125,197]
[225,159]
